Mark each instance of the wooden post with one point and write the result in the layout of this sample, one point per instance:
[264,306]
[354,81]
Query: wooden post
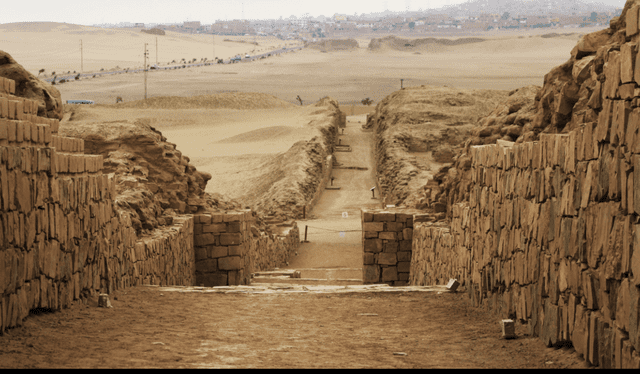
[304,212]
[305,234]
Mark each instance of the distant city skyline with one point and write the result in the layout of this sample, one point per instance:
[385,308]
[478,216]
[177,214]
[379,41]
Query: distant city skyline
[208,11]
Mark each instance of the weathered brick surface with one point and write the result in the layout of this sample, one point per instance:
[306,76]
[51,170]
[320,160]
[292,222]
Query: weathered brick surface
[61,233]
[548,234]
[386,242]
[228,238]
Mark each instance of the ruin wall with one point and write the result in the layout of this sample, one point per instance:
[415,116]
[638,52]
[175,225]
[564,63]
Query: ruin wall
[61,235]
[229,248]
[550,237]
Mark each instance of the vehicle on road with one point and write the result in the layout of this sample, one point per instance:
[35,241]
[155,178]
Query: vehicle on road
[235,59]
[247,56]
[153,67]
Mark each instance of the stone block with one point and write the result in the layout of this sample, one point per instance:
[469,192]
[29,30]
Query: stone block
[550,325]
[384,217]
[217,252]
[389,235]
[389,274]
[404,267]
[628,62]
[204,240]
[230,239]
[234,227]
[581,332]
[605,345]
[593,339]
[236,250]
[230,263]
[403,276]
[387,259]
[370,234]
[214,228]
[373,226]
[632,21]
[404,256]
[367,216]
[368,259]
[212,279]
[208,265]
[371,274]
[407,234]
[373,245]
[623,304]
[394,226]
[391,246]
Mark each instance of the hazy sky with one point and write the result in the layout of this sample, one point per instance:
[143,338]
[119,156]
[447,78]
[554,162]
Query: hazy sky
[89,12]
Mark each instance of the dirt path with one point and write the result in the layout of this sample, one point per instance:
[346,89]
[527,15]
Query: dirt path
[334,251]
[157,328]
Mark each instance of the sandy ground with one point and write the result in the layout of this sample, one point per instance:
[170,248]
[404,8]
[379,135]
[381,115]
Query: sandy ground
[105,49]
[503,62]
[150,327]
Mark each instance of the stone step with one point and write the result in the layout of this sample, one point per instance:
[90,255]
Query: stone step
[269,281]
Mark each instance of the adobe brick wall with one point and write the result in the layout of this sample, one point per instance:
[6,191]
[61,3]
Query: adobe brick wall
[549,237]
[61,235]
[228,250]
[386,237]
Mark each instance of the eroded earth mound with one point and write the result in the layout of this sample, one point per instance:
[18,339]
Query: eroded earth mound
[334,45]
[30,87]
[400,44]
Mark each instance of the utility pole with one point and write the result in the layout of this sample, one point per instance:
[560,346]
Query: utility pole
[156,50]
[146,53]
[81,58]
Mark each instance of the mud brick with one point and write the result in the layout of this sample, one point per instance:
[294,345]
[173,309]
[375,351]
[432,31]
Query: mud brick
[387,259]
[370,235]
[390,246]
[215,227]
[632,21]
[404,267]
[581,332]
[11,131]
[389,274]
[373,226]
[404,256]
[204,239]
[407,234]
[230,239]
[4,107]
[236,250]
[593,357]
[369,259]
[394,226]
[234,226]
[384,217]
[13,105]
[605,345]
[230,263]
[371,274]
[389,235]
[373,245]
[232,217]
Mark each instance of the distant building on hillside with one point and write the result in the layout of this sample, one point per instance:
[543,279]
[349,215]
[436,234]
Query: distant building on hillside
[139,25]
[191,25]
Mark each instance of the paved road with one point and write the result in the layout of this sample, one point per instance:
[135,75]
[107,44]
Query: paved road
[71,77]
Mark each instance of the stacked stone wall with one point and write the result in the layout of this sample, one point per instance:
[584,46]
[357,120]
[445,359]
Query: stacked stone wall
[386,237]
[228,249]
[61,235]
[550,237]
